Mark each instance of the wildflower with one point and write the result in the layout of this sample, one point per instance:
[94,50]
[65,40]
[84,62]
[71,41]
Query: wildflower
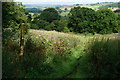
[52,36]
[39,35]
[54,42]
[47,40]
[36,37]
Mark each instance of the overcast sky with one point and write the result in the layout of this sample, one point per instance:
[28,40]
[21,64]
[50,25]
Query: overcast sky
[65,1]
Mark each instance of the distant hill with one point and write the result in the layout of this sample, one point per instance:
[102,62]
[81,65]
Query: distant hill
[109,5]
[95,6]
[33,10]
[64,9]
[43,5]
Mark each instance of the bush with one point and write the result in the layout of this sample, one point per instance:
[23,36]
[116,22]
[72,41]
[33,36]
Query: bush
[59,25]
[10,60]
[66,30]
[39,24]
[34,26]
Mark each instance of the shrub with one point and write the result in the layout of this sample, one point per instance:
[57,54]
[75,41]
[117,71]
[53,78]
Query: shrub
[46,55]
[34,26]
[66,30]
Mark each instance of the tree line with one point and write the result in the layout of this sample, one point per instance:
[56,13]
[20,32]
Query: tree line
[79,19]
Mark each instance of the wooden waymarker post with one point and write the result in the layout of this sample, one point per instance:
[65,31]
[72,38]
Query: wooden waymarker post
[22,39]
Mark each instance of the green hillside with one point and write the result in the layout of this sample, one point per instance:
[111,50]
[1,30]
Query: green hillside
[95,7]
[109,5]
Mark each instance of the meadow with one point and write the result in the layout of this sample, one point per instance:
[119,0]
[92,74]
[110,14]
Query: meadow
[51,54]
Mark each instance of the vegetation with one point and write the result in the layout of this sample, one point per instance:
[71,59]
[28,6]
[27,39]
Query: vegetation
[103,58]
[110,5]
[13,16]
[49,15]
[82,19]
[33,10]
[61,47]
[117,11]
[87,20]
[79,20]
[48,53]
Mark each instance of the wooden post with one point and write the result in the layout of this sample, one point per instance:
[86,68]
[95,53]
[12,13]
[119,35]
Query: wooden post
[22,40]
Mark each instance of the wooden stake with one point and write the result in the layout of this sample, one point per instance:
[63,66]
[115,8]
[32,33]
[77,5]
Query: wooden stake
[22,40]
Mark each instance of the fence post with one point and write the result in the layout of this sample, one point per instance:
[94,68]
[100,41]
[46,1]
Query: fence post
[22,39]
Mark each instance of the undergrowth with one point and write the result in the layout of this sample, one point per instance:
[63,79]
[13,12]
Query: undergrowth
[50,55]
[44,57]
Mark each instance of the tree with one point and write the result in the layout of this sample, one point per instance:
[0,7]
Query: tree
[29,17]
[13,15]
[49,14]
[103,21]
[39,24]
[117,29]
[59,10]
[33,10]
[59,25]
[66,9]
[82,19]
[107,21]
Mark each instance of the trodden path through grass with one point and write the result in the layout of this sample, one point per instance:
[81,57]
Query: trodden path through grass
[53,35]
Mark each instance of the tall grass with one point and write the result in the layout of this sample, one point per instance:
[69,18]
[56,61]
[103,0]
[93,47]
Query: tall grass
[56,55]
[102,59]
[45,56]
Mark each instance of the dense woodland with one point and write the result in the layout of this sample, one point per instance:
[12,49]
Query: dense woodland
[80,20]
[58,53]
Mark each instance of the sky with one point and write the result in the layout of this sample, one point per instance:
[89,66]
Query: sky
[64,1]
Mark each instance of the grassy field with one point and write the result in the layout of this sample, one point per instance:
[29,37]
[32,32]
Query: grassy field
[64,13]
[51,54]
[92,6]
